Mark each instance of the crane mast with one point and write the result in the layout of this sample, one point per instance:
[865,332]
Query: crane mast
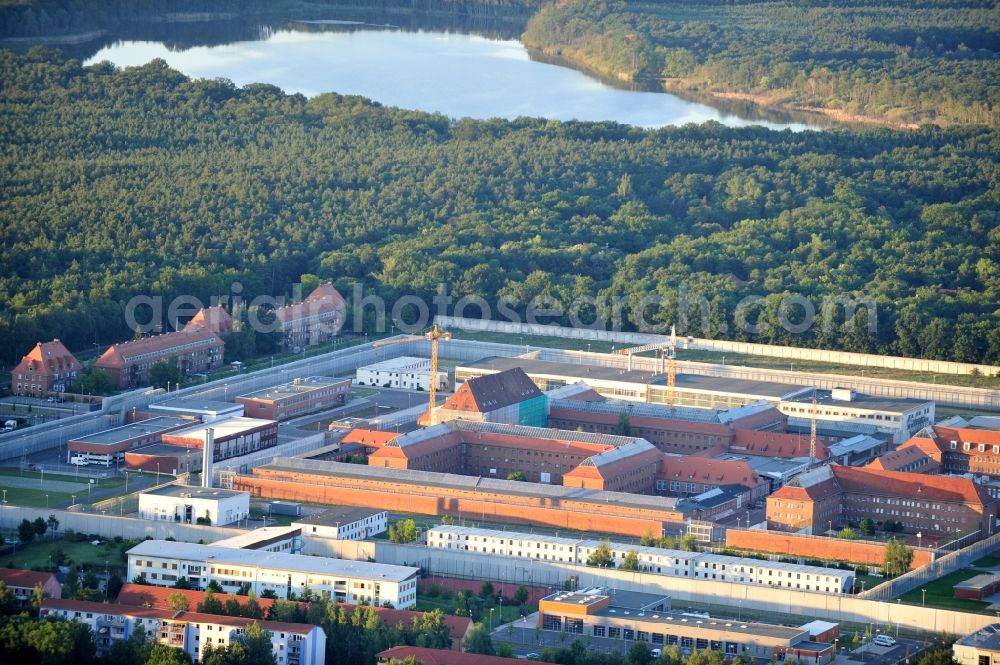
[434,335]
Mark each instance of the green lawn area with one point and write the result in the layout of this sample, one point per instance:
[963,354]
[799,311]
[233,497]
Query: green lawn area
[41,497]
[763,362]
[37,554]
[940,593]
[102,483]
[36,498]
[480,609]
[987,562]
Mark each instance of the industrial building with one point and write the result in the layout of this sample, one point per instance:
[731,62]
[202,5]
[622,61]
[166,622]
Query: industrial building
[297,398]
[897,417]
[660,561]
[233,436]
[163,562]
[109,446]
[187,505]
[407,372]
[192,632]
[597,615]
[834,496]
[344,523]
[205,410]
[47,368]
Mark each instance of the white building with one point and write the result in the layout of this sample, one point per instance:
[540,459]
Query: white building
[286,539]
[344,523]
[656,560]
[979,648]
[186,504]
[291,643]
[163,562]
[403,372]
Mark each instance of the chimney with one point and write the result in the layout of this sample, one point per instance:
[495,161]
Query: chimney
[206,458]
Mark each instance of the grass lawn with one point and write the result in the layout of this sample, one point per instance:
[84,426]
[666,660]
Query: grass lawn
[36,498]
[987,562]
[37,554]
[45,498]
[940,593]
[763,362]
[102,483]
[480,609]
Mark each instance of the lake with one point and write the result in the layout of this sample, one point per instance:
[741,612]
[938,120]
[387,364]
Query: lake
[458,75]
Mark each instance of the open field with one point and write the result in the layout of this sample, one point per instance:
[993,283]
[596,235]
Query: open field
[43,494]
[38,553]
[940,593]
[763,362]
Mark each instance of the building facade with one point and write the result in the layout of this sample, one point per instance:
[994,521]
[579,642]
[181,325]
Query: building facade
[192,632]
[162,563]
[979,648]
[315,320]
[344,523]
[297,398]
[406,372]
[22,583]
[108,447]
[233,437]
[195,351]
[47,368]
[188,505]
[508,397]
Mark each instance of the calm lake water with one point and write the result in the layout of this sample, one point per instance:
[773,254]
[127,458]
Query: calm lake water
[458,75]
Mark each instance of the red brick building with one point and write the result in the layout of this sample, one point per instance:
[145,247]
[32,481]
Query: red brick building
[691,475]
[233,437]
[128,363]
[911,459]
[835,496]
[47,368]
[960,449]
[297,398]
[315,320]
[214,318]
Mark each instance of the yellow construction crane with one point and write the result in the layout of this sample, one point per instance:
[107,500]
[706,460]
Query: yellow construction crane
[812,428]
[672,367]
[434,335]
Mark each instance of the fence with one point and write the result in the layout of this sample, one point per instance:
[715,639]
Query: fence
[978,398]
[946,564]
[725,346]
[111,526]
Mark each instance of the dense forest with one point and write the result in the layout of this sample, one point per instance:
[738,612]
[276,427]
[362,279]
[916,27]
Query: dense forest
[899,61]
[141,181]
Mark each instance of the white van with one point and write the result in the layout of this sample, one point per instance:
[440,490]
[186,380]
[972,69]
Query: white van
[884,641]
[78,461]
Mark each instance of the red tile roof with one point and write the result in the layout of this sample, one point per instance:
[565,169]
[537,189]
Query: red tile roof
[774,444]
[492,392]
[442,657]
[120,355]
[323,302]
[368,437]
[691,469]
[910,485]
[214,318]
[27,579]
[903,456]
[48,358]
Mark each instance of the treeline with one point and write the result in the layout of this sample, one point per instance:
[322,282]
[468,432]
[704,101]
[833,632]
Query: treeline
[140,181]
[903,61]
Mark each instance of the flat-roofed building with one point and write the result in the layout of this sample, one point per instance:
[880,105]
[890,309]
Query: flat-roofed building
[597,616]
[979,648]
[205,410]
[192,632]
[108,447]
[233,437]
[194,351]
[163,562]
[344,523]
[654,560]
[407,372]
[187,504]
[900,417]
[297,398]
[286,539]
[48,368]
[164,458]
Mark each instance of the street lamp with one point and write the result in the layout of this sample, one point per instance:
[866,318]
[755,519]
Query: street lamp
[46,502]
[920,535]
[491,620]
[923,596]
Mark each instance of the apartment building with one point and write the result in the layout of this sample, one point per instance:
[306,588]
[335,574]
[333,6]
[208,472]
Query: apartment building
[47,368]
[315,320]
[192,632]
[194,351]
[162,563]
[344,523]
[656,560]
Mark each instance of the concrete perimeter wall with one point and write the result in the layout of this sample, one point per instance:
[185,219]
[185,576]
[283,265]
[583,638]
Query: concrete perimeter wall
[975,398]
[725,346]
[110,526]
[813,547]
